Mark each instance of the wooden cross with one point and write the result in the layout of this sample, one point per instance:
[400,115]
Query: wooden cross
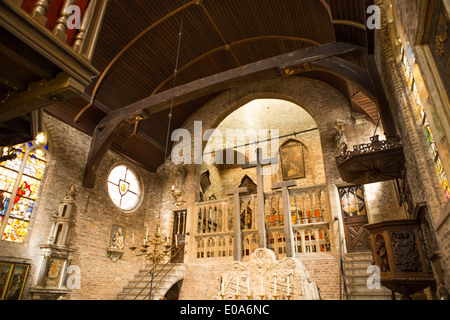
[284,186]
[237,221]
[260,163]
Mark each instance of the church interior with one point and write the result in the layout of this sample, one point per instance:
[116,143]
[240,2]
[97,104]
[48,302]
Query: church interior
[224,150]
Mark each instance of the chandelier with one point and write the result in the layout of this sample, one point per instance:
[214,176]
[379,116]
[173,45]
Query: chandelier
[155,249]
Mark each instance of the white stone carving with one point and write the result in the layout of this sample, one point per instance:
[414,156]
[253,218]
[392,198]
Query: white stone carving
[264,277]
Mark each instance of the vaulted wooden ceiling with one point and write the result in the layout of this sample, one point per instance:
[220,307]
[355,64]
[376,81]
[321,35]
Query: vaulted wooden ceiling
[138,44]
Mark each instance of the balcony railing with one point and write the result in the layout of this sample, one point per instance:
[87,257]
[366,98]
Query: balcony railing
[309,214]
[58,16]
[51,45]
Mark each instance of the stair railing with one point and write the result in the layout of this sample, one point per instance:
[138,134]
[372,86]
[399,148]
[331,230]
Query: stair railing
[149,295]
[153,274]
[150,271]
[343,290]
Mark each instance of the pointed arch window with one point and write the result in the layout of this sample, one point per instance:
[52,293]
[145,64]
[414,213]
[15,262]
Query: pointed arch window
[21,173]
[426,124]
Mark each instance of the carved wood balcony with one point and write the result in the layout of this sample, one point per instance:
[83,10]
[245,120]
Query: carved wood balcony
[44,58]
[372,162]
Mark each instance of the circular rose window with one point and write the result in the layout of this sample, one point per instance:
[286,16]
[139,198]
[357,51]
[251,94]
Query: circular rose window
[124,188]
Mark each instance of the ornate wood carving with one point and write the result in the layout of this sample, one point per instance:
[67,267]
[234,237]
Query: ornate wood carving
[400,254]
[405,251]
[380,249]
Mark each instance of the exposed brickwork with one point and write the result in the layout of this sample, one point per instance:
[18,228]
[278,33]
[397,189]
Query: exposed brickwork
[421,174]
[324,106]
[95,213]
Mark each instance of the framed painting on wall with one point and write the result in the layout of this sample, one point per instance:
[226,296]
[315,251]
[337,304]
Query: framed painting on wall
[13,277]
[5,275]
[292,160]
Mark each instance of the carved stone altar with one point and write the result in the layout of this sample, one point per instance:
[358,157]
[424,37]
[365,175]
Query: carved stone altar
[265,278]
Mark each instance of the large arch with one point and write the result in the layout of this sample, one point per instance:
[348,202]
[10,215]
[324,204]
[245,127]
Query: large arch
[316,98]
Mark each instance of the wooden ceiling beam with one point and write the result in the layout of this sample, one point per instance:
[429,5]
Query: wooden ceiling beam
[222,81]
[228,47]
[360,78]
[111,126]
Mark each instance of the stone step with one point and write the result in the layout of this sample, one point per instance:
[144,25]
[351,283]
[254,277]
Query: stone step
[363,289]
[356,276]
[358,256]
[370,297]
[162,282]
[164,273]
[168,278]
[179,266]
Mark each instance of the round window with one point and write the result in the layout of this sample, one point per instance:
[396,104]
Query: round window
[124,188]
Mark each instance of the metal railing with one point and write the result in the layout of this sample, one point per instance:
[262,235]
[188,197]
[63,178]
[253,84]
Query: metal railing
[155,274]
[343,290]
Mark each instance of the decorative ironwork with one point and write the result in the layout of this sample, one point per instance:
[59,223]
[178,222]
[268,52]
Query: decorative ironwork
[374,146]
[379,160]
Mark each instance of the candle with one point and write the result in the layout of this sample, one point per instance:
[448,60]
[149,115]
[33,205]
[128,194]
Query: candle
[275,284]
[223,286]
[146,234]
[262,287]
[288,285]
[133,239]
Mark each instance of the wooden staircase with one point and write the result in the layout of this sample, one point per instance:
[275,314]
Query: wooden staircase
[356,276]
[139,287]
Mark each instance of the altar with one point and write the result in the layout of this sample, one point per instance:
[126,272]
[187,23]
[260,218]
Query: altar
[263,277]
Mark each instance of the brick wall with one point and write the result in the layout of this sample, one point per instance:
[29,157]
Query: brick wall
[324,106]
[425,185]
[94,214]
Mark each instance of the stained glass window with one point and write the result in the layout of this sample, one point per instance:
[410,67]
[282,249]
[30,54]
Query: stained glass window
[124,188]
[352,201]
[413,86]
[20,178]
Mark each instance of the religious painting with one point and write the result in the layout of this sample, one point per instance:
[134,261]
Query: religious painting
[54,273]
[204,181]
[15,281]
[249,184]
[5,274]
[292,160]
